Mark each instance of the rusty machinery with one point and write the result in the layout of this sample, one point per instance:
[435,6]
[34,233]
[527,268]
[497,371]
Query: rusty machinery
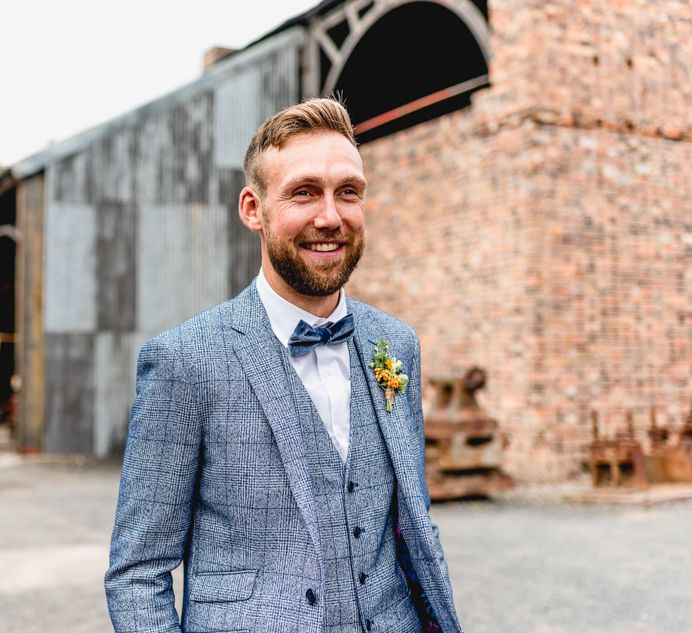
[622,462]
[463,445]
[617,461]
[671,453]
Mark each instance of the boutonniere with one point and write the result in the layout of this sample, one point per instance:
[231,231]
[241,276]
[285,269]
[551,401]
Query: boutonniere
[388,373]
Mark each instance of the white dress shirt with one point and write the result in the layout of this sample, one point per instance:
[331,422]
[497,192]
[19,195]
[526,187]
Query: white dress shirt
[325,372]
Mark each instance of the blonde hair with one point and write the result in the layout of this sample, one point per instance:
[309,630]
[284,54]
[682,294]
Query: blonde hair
[317,114]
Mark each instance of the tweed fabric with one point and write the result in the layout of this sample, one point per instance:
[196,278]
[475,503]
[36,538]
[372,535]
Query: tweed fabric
[215,476]
[382,599]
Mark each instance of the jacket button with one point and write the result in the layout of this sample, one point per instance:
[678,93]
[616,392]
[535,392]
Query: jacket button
[357,531]
[362,578]
[368,624]
[311,597]
[351,486]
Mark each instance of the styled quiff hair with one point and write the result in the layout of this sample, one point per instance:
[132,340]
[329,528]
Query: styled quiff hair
[313,115]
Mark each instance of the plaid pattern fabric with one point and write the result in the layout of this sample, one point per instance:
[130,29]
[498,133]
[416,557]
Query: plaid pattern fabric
[380,597]
[215,476]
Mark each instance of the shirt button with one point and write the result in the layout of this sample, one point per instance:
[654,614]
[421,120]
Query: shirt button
[362,578]
[357,531]
[310,596]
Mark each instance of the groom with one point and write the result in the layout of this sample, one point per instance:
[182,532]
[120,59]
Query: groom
[261,452]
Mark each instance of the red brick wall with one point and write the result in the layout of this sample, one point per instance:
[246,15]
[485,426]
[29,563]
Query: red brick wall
[544,233]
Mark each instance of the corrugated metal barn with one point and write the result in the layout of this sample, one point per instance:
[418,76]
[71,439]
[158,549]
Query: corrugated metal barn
[131,227]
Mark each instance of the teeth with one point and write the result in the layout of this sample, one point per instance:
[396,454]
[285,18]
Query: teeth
[323,247]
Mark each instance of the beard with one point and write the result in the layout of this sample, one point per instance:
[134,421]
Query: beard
[319,279]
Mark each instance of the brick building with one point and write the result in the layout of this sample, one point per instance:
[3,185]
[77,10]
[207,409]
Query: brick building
[528,209]
[544,233]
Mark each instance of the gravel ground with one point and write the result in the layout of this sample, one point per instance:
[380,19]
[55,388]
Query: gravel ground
[517,564]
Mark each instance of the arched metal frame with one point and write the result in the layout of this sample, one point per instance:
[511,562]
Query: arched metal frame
[359,25]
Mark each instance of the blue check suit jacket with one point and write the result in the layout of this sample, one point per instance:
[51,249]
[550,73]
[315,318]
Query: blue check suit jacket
[214,476]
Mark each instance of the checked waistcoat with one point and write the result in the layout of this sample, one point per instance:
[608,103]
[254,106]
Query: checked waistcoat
[365,588]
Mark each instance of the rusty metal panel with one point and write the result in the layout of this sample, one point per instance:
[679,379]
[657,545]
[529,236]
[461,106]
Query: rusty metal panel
[173,153]
[114,381]
[115,266]
[69,393]
[247,98]
[70,273]
[182,262]
[29,322]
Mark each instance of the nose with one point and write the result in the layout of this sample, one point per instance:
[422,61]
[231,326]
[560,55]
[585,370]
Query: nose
[328,216]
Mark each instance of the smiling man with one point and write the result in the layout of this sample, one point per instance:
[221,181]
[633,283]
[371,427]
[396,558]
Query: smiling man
[276,444]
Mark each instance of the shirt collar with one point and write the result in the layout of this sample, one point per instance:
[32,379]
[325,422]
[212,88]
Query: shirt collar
[284,316]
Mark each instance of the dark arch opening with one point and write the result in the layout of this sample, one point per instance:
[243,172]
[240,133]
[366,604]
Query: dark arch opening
[413,51]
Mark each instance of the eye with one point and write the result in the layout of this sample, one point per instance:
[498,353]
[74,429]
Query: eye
[302,193]
[350,192]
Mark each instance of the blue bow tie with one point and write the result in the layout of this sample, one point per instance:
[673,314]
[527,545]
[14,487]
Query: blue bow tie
[305,338]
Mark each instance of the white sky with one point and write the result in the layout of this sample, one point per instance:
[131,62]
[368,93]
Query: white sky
[68,65]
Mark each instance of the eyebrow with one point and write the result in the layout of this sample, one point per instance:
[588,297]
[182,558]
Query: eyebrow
[351,179]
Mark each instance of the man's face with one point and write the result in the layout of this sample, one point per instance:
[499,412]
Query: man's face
[312,212]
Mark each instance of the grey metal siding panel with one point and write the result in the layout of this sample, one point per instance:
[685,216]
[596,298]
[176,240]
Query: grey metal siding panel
[173,153]
[112,159]
[182,263]
[71,179]
[115,266]
[70,268]
[246,99]
[69,393]
[114,374]
[244,253]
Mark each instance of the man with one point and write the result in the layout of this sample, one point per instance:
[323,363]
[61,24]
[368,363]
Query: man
[261,451]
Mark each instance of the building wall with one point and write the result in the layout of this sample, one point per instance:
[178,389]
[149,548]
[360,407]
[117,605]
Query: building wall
[544,233]
[141,232]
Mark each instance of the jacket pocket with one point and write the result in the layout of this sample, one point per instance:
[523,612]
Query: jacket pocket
[227,586]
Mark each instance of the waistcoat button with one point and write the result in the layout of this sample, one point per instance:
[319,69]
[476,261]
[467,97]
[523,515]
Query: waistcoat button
[362,578]
[357,531]
[368,624]
[311,597]
[351,486]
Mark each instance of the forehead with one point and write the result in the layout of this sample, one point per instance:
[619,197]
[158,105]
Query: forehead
[316,155]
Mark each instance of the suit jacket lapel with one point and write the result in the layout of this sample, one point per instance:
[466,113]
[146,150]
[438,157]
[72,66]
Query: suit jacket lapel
[259,353]
[395,427]
[400,438]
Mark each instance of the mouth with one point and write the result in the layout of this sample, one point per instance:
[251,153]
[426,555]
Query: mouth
[324,250]
[322,247]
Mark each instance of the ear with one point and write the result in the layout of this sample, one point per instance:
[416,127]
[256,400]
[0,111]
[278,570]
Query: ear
[249,209]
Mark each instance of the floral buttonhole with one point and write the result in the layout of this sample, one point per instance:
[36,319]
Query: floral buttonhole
[388,373]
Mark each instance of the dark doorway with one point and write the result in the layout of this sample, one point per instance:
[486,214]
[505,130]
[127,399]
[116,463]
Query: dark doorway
[421,55]
[8,250]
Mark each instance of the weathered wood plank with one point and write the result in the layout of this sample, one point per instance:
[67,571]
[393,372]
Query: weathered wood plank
[30,333]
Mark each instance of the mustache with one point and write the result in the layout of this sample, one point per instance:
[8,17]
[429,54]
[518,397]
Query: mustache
[326,235]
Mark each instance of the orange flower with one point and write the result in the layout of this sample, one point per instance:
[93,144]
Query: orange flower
[389,363]
[382,375]
[393,383]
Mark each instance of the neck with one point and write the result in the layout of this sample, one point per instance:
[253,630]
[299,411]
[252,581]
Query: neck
[319,306]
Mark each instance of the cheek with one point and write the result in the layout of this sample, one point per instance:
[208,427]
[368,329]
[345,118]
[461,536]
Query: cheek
[354,218]
[287,224]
